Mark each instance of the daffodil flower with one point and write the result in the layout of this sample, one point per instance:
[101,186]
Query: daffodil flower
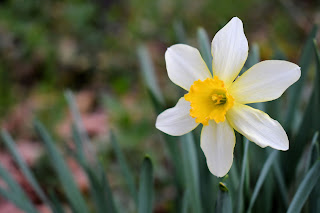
[219,101]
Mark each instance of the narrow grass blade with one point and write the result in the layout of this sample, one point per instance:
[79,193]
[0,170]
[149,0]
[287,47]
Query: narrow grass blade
[22,165]
[10,181]
[58,207]
[76,115]
[312,146]
[314,198]
[191,170]
[72,192]
[309,124]
[254,55]
[179,31]
[16,195]
[145,196]
[242,177]
[305,189]
[149,74]
[20,201]
[234,176]
[172,146]
[185,201]
[85,146]
[99,185]
[108,193]
[263,174]
[205,47]
[125,168]
[281,184]
[317,85]
[158,107]
[224,203]
[176,157]
[100,190]
[253,58]
[296,89]
[268,189]
[247,178]
[80,155]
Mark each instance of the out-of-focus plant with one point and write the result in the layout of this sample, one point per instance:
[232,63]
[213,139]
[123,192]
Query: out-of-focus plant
[101,196]
[50,45]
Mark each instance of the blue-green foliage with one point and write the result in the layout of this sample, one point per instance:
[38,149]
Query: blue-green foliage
[101,195]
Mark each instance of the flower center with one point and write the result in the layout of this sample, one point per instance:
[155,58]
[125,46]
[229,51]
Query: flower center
[209,100]
[219,99]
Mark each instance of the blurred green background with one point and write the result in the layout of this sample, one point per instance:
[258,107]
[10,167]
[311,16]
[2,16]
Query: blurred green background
[90,47]
[48,46]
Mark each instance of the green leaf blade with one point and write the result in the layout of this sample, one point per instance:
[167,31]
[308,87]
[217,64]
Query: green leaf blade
[16,195]
[205,48]
[263,174]
[191,171]
[242,177]
[224,202]
[22,165]
[72,192]
[129,178]
[148,73]
[305,189]
[145,194]
[296,90]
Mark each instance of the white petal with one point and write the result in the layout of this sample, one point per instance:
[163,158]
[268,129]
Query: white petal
[265,81]
[229,51]
[258,127]
[217,144]
[177,121]
[185,65]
